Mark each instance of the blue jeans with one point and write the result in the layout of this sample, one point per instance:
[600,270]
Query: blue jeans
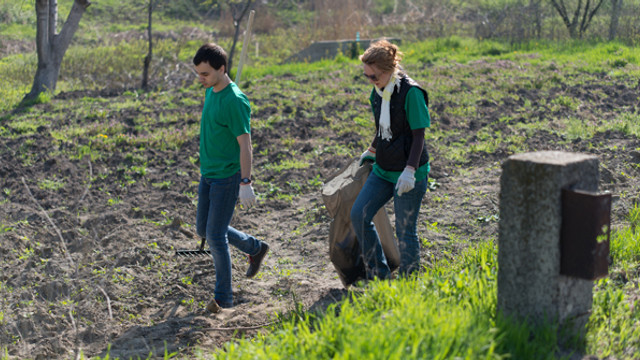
[374,194]
[216,202]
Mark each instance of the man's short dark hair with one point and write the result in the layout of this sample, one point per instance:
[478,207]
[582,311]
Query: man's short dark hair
[212,53]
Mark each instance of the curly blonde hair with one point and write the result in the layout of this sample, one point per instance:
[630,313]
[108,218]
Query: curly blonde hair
[383,54]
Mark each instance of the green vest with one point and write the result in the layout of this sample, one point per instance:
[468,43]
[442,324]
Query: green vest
[418,117]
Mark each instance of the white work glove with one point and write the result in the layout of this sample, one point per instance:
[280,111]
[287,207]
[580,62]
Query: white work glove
[370,154]
[406,181]
[246,196]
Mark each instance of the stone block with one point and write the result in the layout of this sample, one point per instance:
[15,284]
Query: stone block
[530,285]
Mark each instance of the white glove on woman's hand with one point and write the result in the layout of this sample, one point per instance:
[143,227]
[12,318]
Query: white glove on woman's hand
[406,181]
[246,196]
[370,154]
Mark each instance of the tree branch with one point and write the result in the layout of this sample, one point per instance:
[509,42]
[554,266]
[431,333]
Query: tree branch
[86,189]
[69,28]
[592,14]
[576,14]
[236,24]
[237,328]
[584,17]
[62,242]
[244,11]
[108,302]
[562,11]
[53,19]
[42,30]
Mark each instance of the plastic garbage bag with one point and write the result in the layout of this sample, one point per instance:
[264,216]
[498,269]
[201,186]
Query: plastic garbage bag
[339,193]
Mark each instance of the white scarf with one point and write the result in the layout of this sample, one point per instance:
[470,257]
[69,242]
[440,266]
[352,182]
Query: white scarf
[385,116]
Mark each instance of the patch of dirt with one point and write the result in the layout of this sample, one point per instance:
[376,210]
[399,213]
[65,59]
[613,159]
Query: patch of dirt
[91,267]
[11,46]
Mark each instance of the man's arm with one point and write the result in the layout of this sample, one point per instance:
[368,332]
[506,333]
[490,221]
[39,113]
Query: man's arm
[246,196]
[246,155]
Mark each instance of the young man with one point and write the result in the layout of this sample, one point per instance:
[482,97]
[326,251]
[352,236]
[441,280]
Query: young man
[225,167]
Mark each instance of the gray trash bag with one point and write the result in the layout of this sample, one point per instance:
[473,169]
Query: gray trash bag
[339,193]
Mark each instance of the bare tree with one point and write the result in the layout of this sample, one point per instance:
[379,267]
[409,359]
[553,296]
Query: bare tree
[535,8]
[50,45]
[237,18]
[147,59]
[616,5]
[581,18]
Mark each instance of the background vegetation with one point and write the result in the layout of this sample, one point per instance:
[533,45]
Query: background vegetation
[281,29]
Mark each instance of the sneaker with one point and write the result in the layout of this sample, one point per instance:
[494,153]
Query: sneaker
[214,307]
[256,260]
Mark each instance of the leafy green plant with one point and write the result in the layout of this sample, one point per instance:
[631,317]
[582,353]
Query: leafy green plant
[114,201]
[625,243]
[316,182]
[163,184]
[613,325]
[5,228]
[565,101]
[287,164]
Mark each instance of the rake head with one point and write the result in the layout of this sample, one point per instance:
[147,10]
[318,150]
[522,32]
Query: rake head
[191,253]
[183,252]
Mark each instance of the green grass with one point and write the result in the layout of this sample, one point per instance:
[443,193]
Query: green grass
[614,329]
[582,55]
[449,312]
[287,164]
[625,244]
[121,63]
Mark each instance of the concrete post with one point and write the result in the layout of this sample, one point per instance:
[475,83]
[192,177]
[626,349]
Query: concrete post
[530,285]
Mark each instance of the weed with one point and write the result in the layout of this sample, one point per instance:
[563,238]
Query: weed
[114,201]
[51,184]
[565,101]
[163,184]
[5,228]
[487,218]
[316,182]
[287,165]
[294,185]
[140,170]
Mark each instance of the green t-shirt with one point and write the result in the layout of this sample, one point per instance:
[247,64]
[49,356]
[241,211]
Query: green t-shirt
[225,116]
[418,117]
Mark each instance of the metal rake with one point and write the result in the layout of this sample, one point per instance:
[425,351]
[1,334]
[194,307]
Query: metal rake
[198,252]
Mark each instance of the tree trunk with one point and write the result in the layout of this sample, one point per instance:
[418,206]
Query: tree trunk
[147,59]
[616,5]
[588,16]
[576,25]
[50,46]
[236,24]
[534,6]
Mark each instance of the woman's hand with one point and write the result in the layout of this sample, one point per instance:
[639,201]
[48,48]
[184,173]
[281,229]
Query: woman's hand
[370,155]
[406,181]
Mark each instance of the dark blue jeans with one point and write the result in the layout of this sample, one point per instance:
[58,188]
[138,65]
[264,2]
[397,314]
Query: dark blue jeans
[374,194]
[216,203]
